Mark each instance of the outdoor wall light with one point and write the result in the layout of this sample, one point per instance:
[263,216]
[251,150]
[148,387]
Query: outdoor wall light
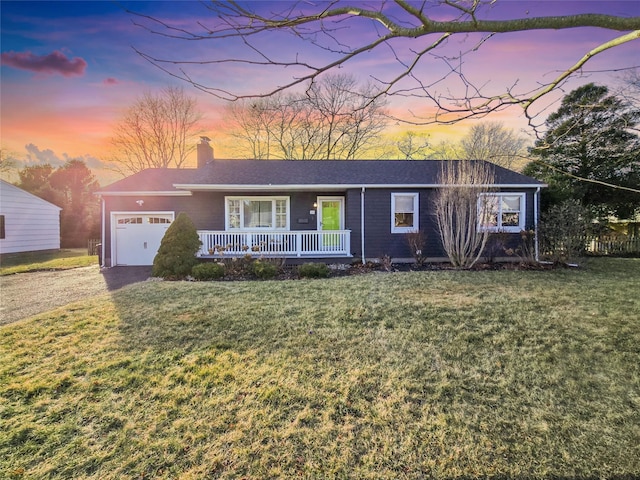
[315,204]
[140,202]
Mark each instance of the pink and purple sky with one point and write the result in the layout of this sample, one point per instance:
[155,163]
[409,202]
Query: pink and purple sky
[69,69]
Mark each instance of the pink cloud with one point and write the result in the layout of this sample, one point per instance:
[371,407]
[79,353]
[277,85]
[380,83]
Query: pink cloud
[55,62]
[110,81]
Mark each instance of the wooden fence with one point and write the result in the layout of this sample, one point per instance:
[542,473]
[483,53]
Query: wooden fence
[608,245]
[93,246]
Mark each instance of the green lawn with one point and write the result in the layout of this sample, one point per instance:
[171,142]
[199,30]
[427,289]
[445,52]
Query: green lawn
[50,260]
[499,374]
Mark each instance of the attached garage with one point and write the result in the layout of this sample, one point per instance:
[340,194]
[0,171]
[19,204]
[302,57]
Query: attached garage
[136,236]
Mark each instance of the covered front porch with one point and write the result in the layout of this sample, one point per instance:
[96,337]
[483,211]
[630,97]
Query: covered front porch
[288,244]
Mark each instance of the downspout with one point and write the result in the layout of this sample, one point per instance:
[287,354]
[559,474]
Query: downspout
[102,247]
[362,225]
[535,221]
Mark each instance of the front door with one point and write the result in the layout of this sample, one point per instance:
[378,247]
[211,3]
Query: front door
[330,218]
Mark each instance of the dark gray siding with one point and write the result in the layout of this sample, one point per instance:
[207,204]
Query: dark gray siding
[206,210]
[380,241]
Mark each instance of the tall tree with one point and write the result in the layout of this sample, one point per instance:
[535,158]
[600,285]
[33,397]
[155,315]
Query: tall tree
[489,141]
[413,146]
[157,131]
[71,187]
[36,179]
[333,119]
[7,160]
[493,142]
[80,216]
[413,36]
[591,153]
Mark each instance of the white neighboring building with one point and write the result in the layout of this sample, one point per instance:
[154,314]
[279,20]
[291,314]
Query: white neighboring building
[27,223]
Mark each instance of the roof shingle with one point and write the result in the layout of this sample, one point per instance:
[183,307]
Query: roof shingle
[297,173]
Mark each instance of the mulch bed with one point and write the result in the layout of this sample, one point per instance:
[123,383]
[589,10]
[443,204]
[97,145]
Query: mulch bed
[290,272]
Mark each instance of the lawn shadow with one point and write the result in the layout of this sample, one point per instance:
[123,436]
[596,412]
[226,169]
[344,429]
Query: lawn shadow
[118,277]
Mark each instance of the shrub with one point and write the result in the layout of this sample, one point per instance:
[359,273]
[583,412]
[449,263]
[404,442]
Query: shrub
[177,253]
[208,271]
[496,246]
[386,262]
[416,239]
[264,270]
[238,267]
[313,270]
[562,231]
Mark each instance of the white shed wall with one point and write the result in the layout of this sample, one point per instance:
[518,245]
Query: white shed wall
[30,222]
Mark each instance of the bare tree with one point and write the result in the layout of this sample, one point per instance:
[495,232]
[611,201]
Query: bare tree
[250,127]
[157,131]
[413,33]
[489,141]
[334,119]
[446,150]
[492,142]
[630,87]
[413,146]
[459,208]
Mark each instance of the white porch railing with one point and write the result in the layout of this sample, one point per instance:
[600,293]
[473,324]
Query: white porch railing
[303,243]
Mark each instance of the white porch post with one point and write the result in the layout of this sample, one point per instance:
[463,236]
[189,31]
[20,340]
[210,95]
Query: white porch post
[103,246]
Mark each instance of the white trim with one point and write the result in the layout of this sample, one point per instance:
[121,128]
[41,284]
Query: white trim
[145,193]
[416,212]
[521,214]
[265,198]
[326,187]
[329,199]
[113,225]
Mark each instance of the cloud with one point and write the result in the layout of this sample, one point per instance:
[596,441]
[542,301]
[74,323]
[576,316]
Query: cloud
[110,81]
[35,156]
[55,62]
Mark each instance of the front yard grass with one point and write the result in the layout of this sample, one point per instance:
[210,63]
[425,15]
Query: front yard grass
[63,259]
[500,374]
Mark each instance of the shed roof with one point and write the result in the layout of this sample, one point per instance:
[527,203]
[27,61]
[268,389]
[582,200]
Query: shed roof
[10,193]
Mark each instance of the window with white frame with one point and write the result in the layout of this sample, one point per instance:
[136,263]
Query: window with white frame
[404,212]
[250,213]
[502,212]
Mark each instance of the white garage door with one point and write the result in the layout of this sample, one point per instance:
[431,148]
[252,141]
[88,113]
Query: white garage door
[138,236]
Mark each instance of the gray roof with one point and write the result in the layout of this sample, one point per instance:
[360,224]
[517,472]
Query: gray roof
[298,174]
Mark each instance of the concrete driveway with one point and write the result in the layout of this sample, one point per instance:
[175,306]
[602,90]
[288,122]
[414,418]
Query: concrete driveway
[25,294]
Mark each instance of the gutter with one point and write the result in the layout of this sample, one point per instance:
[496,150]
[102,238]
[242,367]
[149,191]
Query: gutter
[102,247]
[362,225]
[536,204]
[302,187]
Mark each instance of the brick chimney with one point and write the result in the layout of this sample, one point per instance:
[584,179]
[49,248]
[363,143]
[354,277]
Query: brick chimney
[205,152]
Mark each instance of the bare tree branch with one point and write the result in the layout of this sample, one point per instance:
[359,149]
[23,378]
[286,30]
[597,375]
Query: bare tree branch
[333,119]
[391,21]
[156,132]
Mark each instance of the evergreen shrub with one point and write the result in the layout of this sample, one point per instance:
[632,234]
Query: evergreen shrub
[176,256]
[264,270]
[208,271]
[313,270]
